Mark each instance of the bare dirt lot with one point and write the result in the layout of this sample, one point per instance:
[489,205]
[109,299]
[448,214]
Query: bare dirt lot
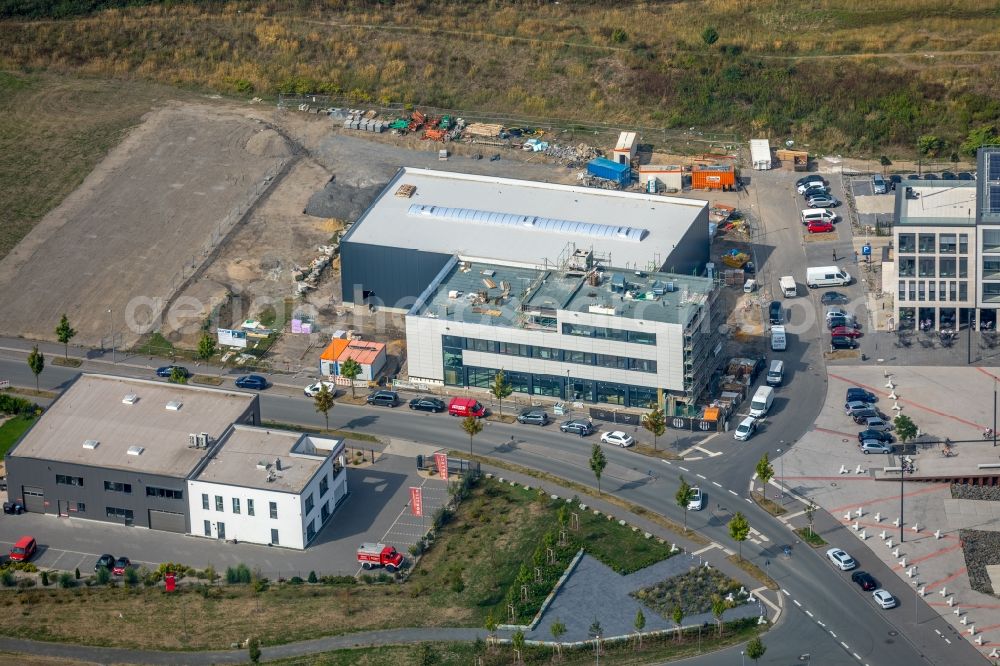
[140,223]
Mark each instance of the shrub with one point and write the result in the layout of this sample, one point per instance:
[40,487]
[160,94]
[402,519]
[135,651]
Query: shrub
[131,577]
[103,576]
[312,577]
[66,580]
[25,583]
[339,580]
[296,580]
[7,578]
[76,574]
[45,578]
[385,578]
[442,517]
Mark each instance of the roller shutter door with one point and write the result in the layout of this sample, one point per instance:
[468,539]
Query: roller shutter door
[168,521]
[34,499]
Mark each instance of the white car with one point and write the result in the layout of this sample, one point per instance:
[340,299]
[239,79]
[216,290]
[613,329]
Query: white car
[884,599]
[697,501]
[840,558]
[745,429]
[313,389]
[618,438]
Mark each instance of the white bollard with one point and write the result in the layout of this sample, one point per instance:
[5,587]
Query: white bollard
[994,654]
[843,470]
[951,601]
[888,543]
[944,591]
[858,470]
[893,396]
[856,526]
[902,562]
[937,534]
[972,630]
[864,535]
[847,516]
[878,517]
[882,535]
[895,523]
[916,527]
[964,621]
[923,591]
[896,407]
[895,552]
[979,640]
[909,572]
[889,385]
[860,512]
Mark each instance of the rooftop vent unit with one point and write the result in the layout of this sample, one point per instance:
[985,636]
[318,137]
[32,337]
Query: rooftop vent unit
[277,464]
[192,440]
[135,450]
[261,465]
[271,476]
[174,406]
[90,444]
[203,440]
[130,398]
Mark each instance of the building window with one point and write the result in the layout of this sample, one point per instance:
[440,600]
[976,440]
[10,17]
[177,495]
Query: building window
[947,244]
[581,389]
[963,243]
[547,385]
[583,358]
[63,480]
[167,493]
[610,393]
[901,290]
[952,290]
[219,506]
[115,487]
[324,485]
[931,293]
[642,338]
[642,365]
[963,291]
[610,334]
[926,244]
[512,349]
[947,267]
[641,396]
[963,267]
[609,361]
[204,501]
[452,357]
[907,243]
[991,240]
[309,503]
[926,267]
[488,346]
[913,291]
[991,269]
[907,267]
[236,505]
[79,507]
[249,507]
[310,530]
[991,292]
[273,506]
[921,291]
[324,512]
[578,330]
[119,514]
[546,353]
[274,536]
[519,381]
[208,528]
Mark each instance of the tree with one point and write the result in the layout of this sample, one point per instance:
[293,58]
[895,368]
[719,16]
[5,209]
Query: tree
[500,389]
[684,495]
[710,35]
[324,402]
[906,429]
[678,618]
[350,369]
[65,333]
[979,137]
[739,530]
[558,629]
[206,346]
[639,624]
[517,641]
[491,624]
[929,145]
[718,608]
[595,632]
[598,462]
[178,375]
[656,423]
[810,512]
[253,646]
[472,427]
[765,471]
[36,361]
[756,648]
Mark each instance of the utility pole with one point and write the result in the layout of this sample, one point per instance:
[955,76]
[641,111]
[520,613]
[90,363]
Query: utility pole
[902,472]
[111,330]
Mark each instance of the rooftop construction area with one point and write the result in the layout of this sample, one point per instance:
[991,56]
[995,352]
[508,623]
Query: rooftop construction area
[521,221]
[933,202]
[134,424]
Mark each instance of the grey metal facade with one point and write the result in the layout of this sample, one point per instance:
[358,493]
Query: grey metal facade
[394,276]
[692,252]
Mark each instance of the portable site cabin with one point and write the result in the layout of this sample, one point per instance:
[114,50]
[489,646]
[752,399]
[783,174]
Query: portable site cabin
[667,177]
[760,154]
[625,148]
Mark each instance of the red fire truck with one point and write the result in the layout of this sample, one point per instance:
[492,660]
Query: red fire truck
[372,555]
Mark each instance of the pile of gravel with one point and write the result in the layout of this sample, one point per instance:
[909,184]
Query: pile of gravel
[980,549]
[970,492]
[342,201]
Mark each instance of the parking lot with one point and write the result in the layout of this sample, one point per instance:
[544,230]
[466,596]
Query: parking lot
[375,510]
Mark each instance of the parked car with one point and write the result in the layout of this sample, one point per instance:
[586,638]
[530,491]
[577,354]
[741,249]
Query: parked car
[877,423]
[822,201]
[852,407]
[533,417]
[841,559]
[314,389]
[894,180]
[837,312]
[775,314]
[580,427]
[24,549]
[874,446]
[930,176]
[121,564]
[435,405]
[877,435]
[884,599]
[948,175]
[106,561]
[845,331]
[618,438]
[804,182]
[814,190]
[861,417]
[842,342]
[745,429]
[463,407]
[251,382]
[811,185]
[819,227]
[879,186]
[383,398]
[697,501]
[965,175]
[855,393]
[835,322]
[834,298]
[865,580]
[168,370]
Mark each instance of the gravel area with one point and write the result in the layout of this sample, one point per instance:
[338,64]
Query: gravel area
[968,492]
[980,549]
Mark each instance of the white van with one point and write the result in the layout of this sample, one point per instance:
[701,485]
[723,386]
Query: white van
[761,402]
[775,372]
[779,341]
[826,276]
[818,215]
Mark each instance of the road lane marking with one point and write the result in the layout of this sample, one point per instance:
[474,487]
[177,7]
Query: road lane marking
[684,468]
[820,624]
[833,634]
[700,476]
[796,602]
[937,632]
[733,492]
[856,656]
[716,483]
[707,548]
[785,592]
[809,613]
[846,647]
[947,641]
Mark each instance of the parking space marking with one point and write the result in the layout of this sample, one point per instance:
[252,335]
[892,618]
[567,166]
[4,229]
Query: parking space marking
[856,656]
[684,468]
[733,492]
[716,483]
[796,602]
[809,613]
[701,476]
[785,592]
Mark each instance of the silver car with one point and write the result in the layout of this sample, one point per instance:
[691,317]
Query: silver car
[874,446]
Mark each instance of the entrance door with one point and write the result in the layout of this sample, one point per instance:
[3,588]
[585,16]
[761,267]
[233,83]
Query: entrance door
[34,499]
[63,508]
[222,530]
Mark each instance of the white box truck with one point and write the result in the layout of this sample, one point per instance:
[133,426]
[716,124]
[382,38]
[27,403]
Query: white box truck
[827,276]
[787,284]
[761,402]
[778,339]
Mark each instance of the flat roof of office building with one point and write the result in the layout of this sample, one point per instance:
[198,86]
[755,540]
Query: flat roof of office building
[522,221]
[132,424]
[934,203]
[246,458]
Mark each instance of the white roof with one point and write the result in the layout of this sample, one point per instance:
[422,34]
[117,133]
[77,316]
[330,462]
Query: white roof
[760,150]
[520,221]
[626,140]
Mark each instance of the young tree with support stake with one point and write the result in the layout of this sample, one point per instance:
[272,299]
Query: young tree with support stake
[500,389]
[350,369]
[324,402]
[472,427]
[36,361]
[65,333]
[718,608]
[678,617]
[656,423]
[684,495]
[639,624]
[739,530]
[810,512]
[558,629]
[206,347]
[765,471]
[598,461]
[756,648]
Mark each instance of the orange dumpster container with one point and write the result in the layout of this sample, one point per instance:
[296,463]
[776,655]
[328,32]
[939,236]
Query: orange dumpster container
[712,177]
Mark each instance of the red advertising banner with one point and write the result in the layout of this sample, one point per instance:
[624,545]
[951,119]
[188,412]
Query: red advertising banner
[441,460]
[170,580]
[416,501]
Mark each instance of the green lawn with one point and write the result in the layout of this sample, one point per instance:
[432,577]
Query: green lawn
[12,430]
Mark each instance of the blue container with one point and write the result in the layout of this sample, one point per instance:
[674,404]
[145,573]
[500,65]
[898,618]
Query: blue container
[609,170]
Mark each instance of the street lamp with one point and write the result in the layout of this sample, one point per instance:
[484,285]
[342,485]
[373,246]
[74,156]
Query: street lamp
[111,331]
[743,658]
[781,486]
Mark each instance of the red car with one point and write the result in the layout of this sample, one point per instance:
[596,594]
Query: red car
[845,331]
[121,565]
[819,227]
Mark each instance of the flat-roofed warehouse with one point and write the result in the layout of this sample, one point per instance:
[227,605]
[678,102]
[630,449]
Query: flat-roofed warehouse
[120,450]
[423,218]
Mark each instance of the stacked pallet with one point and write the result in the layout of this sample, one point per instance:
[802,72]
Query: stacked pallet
[484,129]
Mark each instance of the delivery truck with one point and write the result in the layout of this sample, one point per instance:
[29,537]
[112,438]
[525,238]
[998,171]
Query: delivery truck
[787,284]
[827,276]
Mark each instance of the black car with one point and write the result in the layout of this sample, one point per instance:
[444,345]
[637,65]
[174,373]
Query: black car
[965,175]
[427,405]
[251,382]
[815,191]
[843,342]
[930,176]
[168,370]
[106,561]
[815,178]
[861,395]
[533,416]
[894,180]
[877,435]
[383,398]
[834,322]
[580,427]
[948,175]
[865,580]
[861,416]
[834,298]
[775,313]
